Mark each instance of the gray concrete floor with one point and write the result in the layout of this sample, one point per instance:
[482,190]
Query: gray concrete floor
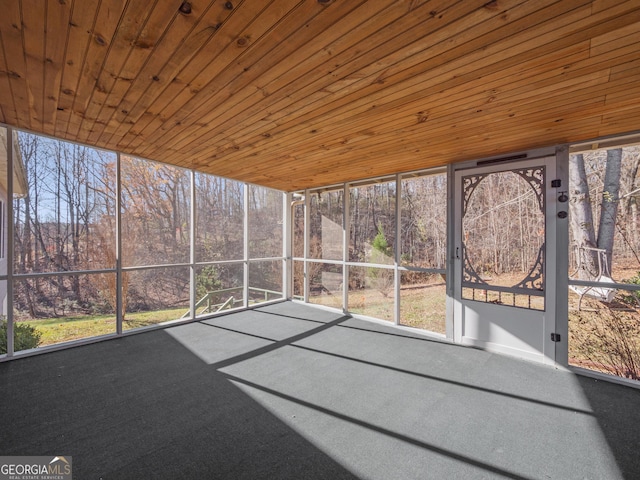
[291,391]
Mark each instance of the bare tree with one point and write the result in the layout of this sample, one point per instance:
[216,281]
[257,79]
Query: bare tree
[609,203]
[582,217]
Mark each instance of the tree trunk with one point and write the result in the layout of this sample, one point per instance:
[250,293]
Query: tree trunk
[582,227]
[609,205]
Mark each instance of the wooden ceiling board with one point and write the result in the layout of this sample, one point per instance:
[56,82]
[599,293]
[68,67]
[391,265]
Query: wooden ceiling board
[174,69]
[58,15]
[268,80]
[243,72]
[378,108]
[143,23]
[618,121]
[411,117]
[563,109]
[372,75]
[9,113]
[106,22]
[33,26]
[520,91]
[450,78]
[204,66]
[469,93]
[383,98]
[82,18]
[293,94]
[312,103]
[16,69]
[462,134]
[573,105]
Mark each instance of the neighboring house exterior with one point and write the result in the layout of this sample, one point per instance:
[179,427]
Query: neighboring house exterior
[20,189]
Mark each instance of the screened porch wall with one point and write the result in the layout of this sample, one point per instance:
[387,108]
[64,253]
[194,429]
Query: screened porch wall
[104,244]
[375,249]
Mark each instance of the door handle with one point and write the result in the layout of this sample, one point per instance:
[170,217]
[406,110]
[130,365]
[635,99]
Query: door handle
[458,253]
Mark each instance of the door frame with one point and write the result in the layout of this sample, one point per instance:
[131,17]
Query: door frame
[551,352]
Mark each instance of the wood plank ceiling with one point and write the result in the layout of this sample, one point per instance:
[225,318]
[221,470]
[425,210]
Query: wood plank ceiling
[301,93]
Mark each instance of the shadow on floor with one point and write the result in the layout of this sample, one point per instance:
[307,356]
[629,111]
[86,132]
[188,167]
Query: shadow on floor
[145,407]
[620,426]
[290,391]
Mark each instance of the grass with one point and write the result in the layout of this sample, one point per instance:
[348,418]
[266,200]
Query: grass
[421,306]
[75,327]
[372,304]
[424,307]
[144,319]
[64,329]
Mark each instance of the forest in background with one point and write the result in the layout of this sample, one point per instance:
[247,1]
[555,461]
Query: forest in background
[67,223]
[503,229]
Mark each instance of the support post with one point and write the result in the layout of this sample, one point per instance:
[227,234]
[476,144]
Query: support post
[119,283]
[192,247]
[10,240]
[246,246]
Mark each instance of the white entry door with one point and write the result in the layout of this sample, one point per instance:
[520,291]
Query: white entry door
[504,300]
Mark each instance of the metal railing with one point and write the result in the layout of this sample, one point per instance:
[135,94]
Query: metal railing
[212,302]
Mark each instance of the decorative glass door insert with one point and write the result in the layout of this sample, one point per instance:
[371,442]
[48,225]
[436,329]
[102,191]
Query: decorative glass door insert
[503,237]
